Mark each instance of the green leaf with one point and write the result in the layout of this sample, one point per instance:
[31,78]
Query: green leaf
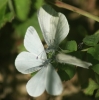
[22,8]
[7,18]
[71,46]
[69,69]
[2,12]
[97,32]
[91,40]
[91,87]
[63,75]
[97,95]
[20,30]
[96,68]
[39,3]
[3,3]
[94,51]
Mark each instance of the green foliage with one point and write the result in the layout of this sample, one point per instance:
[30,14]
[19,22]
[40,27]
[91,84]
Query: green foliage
[97,78]
[96,68]
[66,72]
[92,40]
[97,95]
[94,51]
[22,9]
[21,29]
[63,75]
[38,3]
[2,12]
[70,70]
[3,3]
[92,86]
[71,46]
[5,16]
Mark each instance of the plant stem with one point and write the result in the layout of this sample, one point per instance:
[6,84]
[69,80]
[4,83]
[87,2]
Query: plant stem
[11,5]
[74,9]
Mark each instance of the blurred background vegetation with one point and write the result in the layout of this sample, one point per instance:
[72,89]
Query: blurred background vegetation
[15,17]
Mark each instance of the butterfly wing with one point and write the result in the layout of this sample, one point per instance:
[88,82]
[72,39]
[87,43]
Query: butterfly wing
[54,25]
[63,58]
[53,81]
[33,43]
[27,63]
[36,85]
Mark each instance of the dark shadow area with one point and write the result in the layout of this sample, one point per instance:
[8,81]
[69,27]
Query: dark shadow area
[78,96]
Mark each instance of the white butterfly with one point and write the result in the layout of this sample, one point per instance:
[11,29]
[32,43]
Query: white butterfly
[36,59]
[54,26]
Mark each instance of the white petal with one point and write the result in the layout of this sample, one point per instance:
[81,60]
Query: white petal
[33,43]
[53,81]
[63,58]
[27,63]
[36,85]
[54,25]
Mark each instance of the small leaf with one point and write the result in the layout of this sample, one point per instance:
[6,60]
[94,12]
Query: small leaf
[96,68]
[38,3]
[70,70]
[7,18]
[92,86]
[71,46]
[22,8]
[63,75]
[94,51]
[91,40]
